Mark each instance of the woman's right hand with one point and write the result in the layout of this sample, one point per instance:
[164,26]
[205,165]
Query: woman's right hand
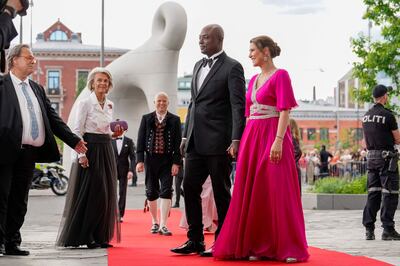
[84,162]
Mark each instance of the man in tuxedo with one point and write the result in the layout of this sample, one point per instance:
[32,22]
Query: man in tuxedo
[124,150]
[213,128]
[28,124]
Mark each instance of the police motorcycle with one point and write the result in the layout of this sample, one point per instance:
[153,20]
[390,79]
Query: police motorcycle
[50,175]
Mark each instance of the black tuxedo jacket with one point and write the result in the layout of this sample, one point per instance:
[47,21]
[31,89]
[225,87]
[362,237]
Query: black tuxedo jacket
[216,112]
[126,159]
[172,136]
[11,125]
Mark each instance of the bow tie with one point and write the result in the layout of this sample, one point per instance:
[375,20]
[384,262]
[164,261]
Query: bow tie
[207,61]
[119,138]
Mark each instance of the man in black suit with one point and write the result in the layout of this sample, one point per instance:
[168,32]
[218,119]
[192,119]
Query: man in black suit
[214,126]
[124,150]
[28,124]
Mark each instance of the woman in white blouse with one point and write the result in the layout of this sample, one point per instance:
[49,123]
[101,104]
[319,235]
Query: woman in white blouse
[91,212]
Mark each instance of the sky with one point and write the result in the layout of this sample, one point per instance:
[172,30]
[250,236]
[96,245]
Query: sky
[314,35]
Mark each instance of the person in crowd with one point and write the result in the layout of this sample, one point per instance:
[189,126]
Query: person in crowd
[178,186]
[324,156]
[335,163]
[381,134]
[125,154]
[28,124]
[294,130]
[313,165]
[159,138]
[91,213]
[209,210]
[214,126]
[265,217]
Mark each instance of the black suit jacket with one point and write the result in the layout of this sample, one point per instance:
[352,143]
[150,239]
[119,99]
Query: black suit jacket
[11,125]
[216,112]
[172,136]
[126,159]
[7,33]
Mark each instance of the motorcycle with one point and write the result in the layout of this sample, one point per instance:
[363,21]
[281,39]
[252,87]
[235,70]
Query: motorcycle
[51,175]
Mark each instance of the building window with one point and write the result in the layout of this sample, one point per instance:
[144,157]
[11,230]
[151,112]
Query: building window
[58,35]
[358,134]
[82,76]
[187,84]
[311,133]
[53,82]
[181,85]
[323,134]
[56,107]
[352,93]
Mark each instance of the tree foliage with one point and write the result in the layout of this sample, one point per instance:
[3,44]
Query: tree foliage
[382,55]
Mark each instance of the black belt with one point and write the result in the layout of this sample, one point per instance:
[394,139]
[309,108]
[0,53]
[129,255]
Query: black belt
[380,153]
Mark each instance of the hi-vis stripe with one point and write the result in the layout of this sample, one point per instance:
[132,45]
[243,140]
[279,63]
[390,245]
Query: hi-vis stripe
[374,189]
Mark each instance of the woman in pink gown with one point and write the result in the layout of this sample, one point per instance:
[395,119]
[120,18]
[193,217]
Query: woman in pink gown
[265,216]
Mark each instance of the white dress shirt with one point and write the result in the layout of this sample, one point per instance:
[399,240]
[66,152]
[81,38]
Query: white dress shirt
[119,142]
[203,72]
[26,120]
[160,117]
[91,118]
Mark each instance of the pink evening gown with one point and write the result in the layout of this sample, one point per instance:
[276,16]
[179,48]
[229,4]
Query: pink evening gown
[265,217]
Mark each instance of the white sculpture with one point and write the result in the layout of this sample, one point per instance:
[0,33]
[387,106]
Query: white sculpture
[139,74]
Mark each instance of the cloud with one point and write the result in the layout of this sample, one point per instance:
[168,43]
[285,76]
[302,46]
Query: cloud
[297,7]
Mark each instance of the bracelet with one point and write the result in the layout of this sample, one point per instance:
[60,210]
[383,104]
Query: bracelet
[279,137]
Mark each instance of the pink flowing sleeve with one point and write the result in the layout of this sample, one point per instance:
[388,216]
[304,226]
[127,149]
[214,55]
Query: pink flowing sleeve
[248,96]
[284,92]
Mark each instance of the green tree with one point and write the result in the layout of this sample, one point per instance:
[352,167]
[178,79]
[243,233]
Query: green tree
[382,55]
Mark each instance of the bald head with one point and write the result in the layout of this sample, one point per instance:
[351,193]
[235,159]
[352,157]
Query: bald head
[211,39]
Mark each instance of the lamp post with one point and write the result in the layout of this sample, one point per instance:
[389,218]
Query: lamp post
[102,35]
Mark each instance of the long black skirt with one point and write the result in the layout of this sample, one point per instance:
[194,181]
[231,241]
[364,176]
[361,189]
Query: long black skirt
[91,210]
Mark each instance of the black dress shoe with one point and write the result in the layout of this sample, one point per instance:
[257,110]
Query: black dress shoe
[369,235]
[390,235]
[190,247]
[2,250]
[16,251]
[206,253]
[106,245]
[92,245]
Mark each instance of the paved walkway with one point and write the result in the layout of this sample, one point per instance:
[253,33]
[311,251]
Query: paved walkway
[335,230]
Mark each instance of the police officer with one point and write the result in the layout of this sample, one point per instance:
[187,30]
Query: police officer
[381,134]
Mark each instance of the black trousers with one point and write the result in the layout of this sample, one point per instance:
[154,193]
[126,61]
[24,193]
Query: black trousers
[158,177]
[15,183]
[123,186]
[383,194]
[197,169]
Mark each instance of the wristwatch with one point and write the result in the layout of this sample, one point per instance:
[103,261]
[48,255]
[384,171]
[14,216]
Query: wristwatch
[11,11]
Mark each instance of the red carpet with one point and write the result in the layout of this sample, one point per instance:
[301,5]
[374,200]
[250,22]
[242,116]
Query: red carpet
[139,247]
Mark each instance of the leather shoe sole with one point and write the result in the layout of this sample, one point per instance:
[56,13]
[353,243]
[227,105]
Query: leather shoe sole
[16,251]
[206,253]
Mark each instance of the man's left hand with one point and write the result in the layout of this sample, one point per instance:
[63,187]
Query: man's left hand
[233,148]
[81,147]
[174,169]
[130,175]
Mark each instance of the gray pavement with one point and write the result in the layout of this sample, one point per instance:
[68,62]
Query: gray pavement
[334,230]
